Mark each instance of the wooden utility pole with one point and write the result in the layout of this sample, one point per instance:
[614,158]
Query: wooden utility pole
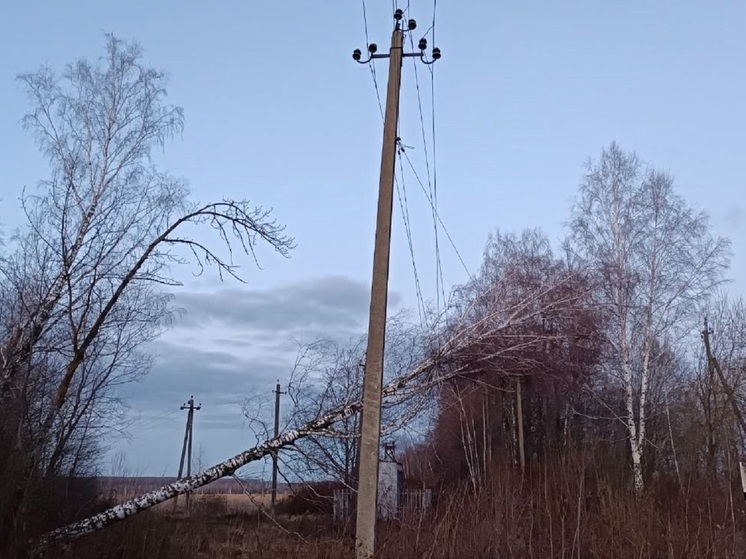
[371,419]
[519,422]
[186,448]
[274,454]
[714,366]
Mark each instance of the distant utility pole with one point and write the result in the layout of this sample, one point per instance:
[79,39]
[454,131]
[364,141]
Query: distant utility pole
[187,446]
[274,454]
[371,418]
[714,367]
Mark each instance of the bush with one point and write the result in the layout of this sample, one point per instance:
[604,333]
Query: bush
[311,498]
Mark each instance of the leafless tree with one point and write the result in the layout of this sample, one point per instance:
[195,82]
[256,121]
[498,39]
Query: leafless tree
[522,376]
[82,285]
[654,261]
[328,375]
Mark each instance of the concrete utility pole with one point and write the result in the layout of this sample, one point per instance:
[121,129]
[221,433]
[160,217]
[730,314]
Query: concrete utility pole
[186,448]
[371,419]
[274,454]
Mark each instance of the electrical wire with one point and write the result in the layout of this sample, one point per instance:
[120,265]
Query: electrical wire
[155,421]
[435,178]
[431,191]
[440,220]
[404,204]
[432,25]
[439,283]
[435,163]
[372,64]
[400,189]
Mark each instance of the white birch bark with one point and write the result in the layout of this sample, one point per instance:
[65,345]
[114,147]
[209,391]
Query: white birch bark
[654,260]
[179,487]
[227,467]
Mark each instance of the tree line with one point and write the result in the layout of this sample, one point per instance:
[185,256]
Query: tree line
[597,345]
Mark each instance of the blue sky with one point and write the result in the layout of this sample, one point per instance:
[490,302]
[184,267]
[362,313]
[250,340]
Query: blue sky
[278,112]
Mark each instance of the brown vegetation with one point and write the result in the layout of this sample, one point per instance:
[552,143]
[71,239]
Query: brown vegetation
[566,508]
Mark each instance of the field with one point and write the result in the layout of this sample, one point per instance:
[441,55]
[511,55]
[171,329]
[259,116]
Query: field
[230,525]
[230,504]
[551,513]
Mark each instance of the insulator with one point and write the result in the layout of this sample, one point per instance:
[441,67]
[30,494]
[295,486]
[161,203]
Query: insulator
[356,54]
[372,48]
[411,25]
[436,53]
[422,45]
[398,14]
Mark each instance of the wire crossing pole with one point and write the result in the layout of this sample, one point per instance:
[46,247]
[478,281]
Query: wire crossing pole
[371,416]
[274,454]
[186,448]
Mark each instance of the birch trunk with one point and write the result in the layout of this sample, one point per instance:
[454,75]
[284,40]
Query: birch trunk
[655,261]
[182,486]
[632,433]
[228,467]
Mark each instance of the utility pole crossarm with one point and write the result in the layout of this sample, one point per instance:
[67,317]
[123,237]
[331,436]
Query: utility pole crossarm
[370,435]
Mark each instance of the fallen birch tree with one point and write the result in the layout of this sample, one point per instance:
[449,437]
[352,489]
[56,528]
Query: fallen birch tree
[428,374]
[225,468]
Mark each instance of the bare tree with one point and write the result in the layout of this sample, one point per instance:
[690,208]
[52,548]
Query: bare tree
[82,288]
[522,376]
[327,375]
[654,262]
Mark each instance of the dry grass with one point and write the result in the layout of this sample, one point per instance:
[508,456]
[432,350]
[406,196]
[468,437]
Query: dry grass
[567,511]
[232,504]
[211,532]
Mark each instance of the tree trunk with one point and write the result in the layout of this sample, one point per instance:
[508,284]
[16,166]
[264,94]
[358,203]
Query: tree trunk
[635,445]
[519,422]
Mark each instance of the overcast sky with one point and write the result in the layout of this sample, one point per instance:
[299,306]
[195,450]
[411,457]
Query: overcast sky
[278,112]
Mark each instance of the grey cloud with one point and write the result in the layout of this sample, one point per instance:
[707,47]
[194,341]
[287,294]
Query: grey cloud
[230,344]
[330,302]
[219,380]
[233,342]
[734,217]
[215,378]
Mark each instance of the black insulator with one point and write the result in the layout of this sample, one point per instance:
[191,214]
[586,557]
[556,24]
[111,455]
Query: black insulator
[411,25]
[422,45]
[436,53]
[372,48]
[356,54]
[398,14]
